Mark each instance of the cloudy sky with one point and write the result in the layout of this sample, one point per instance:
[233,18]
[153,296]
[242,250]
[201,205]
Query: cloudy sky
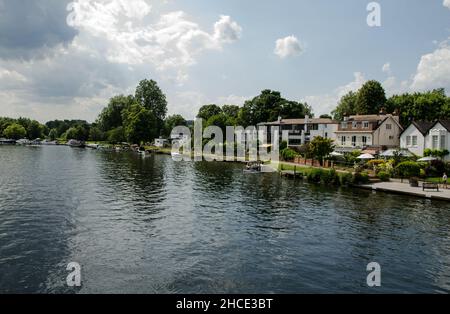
[64,59]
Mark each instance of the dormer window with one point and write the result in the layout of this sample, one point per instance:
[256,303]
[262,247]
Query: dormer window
[366,124]
[355,125]
[344,125]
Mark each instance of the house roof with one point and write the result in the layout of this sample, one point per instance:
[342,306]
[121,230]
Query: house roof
[445,124]
[425,126]
[301,121]
[369,117]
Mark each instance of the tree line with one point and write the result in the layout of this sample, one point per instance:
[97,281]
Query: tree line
[371,99]
[142,117]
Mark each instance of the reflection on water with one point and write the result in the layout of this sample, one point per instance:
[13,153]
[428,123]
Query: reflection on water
[155,226]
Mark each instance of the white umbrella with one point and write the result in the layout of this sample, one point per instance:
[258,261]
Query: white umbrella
[392,152]
[336,154]
[366,156]
[427,159]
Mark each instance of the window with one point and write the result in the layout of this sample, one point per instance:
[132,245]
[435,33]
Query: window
[364,140]
[408,141]
[435,142]
[442,142]
[326,135]
[355,125]
[365,124]
[391,137]
[414,140]
[388,126]
[344,125]
[353,140]
[343,140]
[295,142]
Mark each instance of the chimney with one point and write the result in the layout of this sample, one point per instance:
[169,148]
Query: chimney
[383,111]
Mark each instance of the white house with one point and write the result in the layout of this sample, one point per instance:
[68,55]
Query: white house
[297,132]
[420,136]
[370,132]
[413,137]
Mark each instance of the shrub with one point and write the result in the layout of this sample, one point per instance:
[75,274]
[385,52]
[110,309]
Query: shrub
[315,175]
[329,177]
[360,178]
[375,162]
[383,176]
[346,178]
[408,169]
[288,154]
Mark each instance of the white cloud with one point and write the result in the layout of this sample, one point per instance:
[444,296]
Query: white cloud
[433,70]
[288,47]
[324,104]
[447,3]
[387,68]
[124,32]
[226,30]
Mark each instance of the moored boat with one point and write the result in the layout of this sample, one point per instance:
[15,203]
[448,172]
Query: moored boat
[76,144]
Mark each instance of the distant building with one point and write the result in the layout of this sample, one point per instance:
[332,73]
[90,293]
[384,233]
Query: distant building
[368,132]
[422,135]
[297,132]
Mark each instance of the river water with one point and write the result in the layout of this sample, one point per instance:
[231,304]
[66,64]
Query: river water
[157,226]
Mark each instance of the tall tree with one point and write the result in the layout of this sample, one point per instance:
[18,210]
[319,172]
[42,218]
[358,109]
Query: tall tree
[140,124]
[371,98]
[151,97]
[268,106]
[231,110]
[431,105]
[346,106]
[111,116]
[208,111]
[34,130]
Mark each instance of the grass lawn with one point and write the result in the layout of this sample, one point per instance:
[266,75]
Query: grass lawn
[434,180]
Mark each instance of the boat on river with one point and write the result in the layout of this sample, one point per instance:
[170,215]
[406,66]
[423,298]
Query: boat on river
[253,167]
[76,144]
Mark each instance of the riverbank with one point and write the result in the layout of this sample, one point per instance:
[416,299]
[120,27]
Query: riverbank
[394,186]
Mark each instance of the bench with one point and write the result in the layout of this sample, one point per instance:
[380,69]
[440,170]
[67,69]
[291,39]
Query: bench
[430,186]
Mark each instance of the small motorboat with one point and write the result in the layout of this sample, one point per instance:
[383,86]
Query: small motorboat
[253,167]
[76,144]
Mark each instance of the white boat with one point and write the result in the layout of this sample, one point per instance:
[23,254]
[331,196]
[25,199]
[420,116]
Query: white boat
[76,144]
[23,141]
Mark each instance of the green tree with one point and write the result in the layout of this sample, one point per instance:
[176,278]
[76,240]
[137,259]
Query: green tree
[116,135]
[111,116]
[371,98]
[53,134]
[220,120]
[208,111]
[95,134]
[151,97]
[173,121]
[346,106]
[231,110]
[268,106]
[321,147]
[430,106]
[140,124]
[34,130]
[15,131]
